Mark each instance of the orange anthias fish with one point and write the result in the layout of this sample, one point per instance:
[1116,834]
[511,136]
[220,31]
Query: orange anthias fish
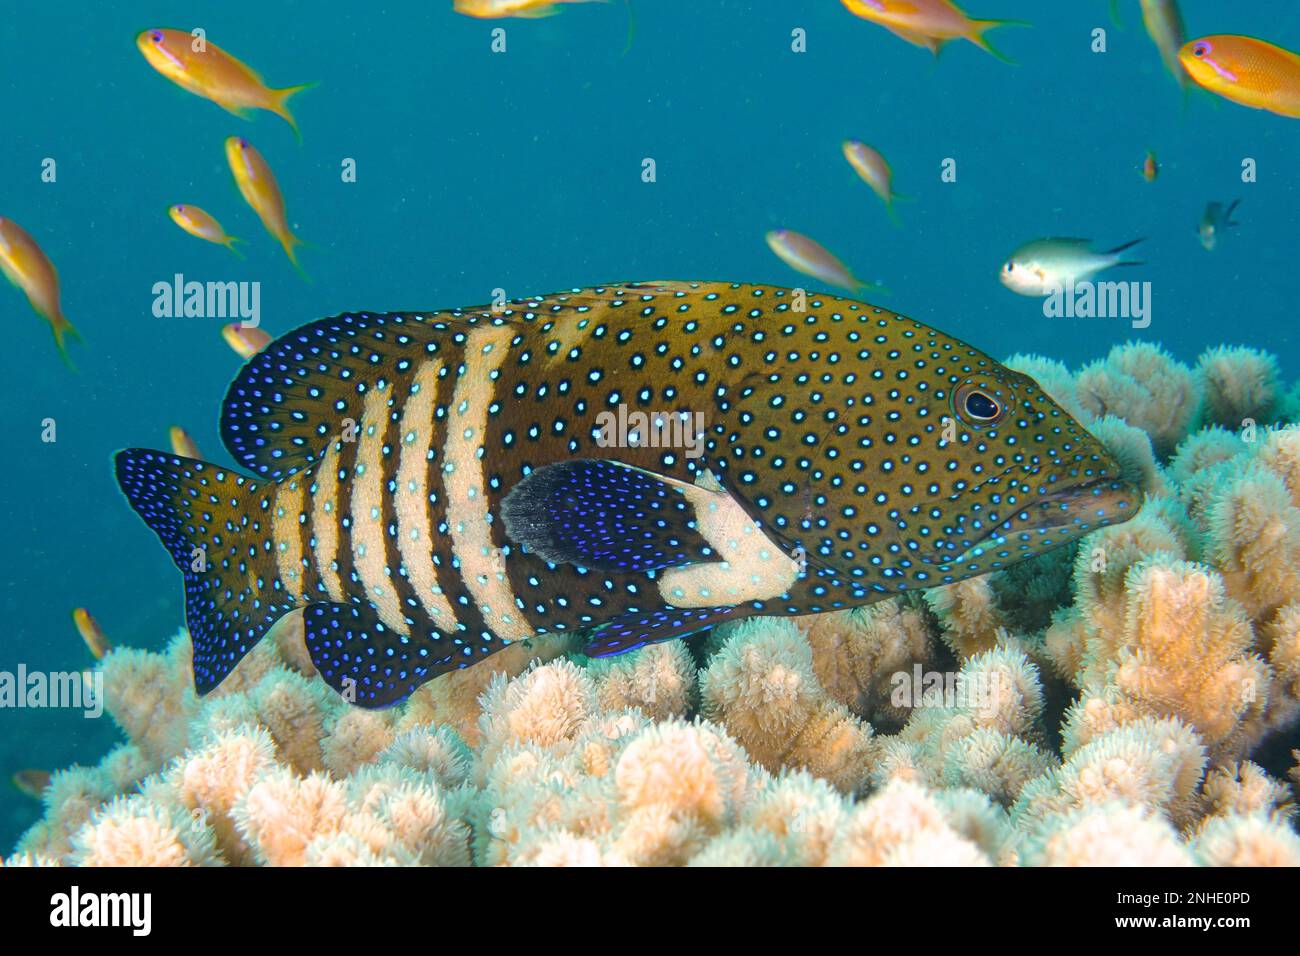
[201,224]
[495,9]
[1245,70]
[91,633]
[182,443]
[247,342]
[260,190]
[27,267]
[928,23]
[204,69]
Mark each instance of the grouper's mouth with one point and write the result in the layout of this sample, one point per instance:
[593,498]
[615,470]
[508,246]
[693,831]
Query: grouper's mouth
[1003,527]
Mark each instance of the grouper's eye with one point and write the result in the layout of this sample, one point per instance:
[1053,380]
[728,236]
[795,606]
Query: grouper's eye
[975,406]
[1200,49]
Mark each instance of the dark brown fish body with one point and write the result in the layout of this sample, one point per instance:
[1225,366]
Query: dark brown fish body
[437,485]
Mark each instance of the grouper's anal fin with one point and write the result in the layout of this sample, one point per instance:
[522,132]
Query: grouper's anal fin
[371,665]
[632,631]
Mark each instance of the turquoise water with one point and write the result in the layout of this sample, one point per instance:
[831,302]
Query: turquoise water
[522,171]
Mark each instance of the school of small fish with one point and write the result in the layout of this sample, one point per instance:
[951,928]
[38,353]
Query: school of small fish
[1245,70]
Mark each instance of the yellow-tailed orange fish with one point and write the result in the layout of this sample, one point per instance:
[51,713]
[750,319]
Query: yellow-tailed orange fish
[1245,70]
[204,69]
[495,9]
[1164,23]
[27,267]
[928,23]
[91,633]
[32,783]
[874,170]
[392,485]
[260,190]
[1150,167]
[245,341]
[811,258]
[182,443]
[199,223]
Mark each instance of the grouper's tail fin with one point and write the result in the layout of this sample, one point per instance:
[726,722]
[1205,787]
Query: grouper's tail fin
[217,527]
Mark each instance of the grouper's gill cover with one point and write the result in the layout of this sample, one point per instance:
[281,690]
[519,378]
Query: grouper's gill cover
[432,486]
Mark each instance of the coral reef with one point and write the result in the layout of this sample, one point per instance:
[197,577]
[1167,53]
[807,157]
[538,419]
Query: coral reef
[1116,703]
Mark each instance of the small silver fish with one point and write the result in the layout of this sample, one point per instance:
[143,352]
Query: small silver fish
[1038,268]
[1216,217]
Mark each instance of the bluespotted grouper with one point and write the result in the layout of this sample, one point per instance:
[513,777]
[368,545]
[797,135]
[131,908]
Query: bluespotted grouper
[433,486]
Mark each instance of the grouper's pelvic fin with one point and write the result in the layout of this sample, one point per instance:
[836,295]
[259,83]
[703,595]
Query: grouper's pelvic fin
[217,527]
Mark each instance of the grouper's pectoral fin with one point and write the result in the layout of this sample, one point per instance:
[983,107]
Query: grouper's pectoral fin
[706,558]
[606,516]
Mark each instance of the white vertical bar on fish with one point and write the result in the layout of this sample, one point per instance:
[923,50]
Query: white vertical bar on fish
[325,522]
[369,535]
[482,565]
[287,535]
[411,497]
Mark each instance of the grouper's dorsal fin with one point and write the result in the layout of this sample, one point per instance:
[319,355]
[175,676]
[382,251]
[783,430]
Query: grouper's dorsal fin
[287,404]
[663,296]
